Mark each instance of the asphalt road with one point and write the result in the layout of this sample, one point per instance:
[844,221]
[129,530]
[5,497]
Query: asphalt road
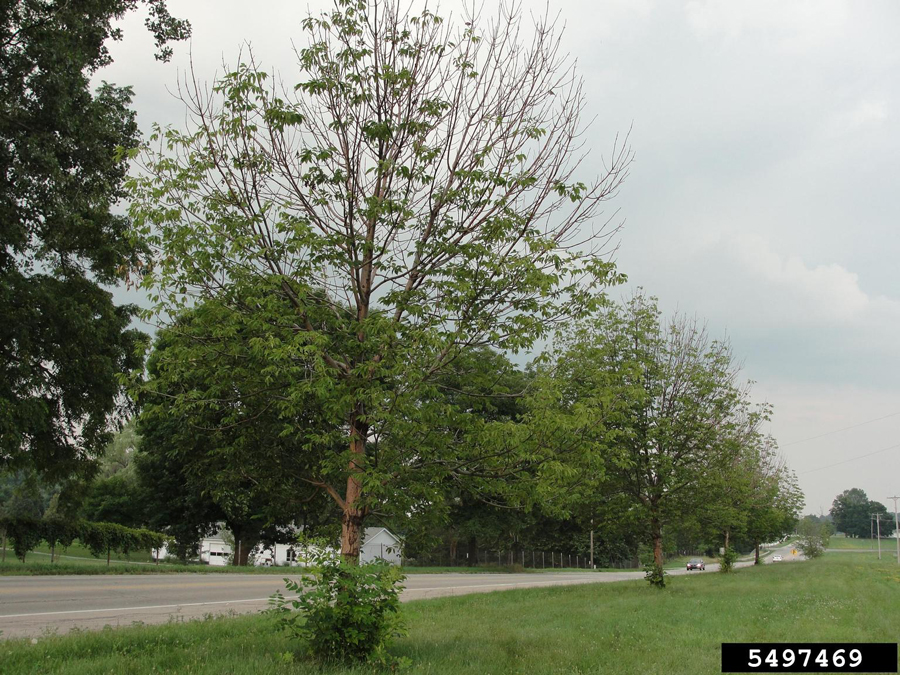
[32,606]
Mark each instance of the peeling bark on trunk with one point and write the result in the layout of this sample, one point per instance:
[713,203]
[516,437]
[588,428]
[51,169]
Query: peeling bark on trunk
[351,536]
[353,516]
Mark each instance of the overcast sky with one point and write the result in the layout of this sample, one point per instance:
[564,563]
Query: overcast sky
[764,196]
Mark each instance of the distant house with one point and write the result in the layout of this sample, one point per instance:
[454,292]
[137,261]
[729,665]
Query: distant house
[217,550]
[379,543]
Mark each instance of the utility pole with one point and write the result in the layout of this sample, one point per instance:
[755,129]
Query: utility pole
[896,528]
[878,521]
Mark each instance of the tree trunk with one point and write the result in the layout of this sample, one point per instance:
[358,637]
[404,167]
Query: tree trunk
[52,552]
[351,535]
[108,551]
[246,538]
[352,517]
[756,562]
[656,531]
[242,554]
[4,548]
[472,560]
[727,533]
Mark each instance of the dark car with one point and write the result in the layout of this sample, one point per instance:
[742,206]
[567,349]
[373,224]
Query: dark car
[696,564]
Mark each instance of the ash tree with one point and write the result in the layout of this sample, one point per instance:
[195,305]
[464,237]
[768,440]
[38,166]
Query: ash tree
[411,192]
[669,401]
[775,497]
[63,342]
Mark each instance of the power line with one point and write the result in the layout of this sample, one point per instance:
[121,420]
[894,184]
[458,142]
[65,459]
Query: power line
[836,431]
[847,461]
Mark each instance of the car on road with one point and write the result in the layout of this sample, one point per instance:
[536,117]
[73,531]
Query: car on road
[776,558]
[696,564]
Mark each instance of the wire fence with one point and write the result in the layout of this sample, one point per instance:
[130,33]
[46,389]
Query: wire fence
[520,557]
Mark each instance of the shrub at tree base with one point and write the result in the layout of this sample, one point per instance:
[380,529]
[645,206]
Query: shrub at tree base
[726,564]
[655,575]
[344,612]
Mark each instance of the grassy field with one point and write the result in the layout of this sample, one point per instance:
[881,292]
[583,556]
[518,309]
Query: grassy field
[619,628]
[846,543]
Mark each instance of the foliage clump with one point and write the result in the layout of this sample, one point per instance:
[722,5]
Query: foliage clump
[655,575]
[344,612]
[814,536]
[726,564]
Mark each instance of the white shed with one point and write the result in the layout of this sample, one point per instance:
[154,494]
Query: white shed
[379,543]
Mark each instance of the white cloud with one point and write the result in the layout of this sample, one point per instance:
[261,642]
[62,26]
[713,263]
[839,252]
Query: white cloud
[828,292]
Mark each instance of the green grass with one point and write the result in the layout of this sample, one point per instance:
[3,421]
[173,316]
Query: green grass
[76,550]
[619,628]
[848,543]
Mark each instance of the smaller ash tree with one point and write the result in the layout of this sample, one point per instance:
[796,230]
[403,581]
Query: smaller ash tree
[413,192]
[673,412]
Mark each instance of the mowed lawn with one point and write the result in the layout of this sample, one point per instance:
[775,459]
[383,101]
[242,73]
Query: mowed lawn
[887,545]
[624,627]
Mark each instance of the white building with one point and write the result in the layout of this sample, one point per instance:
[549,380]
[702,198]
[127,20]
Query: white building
[379,543]
[215,549]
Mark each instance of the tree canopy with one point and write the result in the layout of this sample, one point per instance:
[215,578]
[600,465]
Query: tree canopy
[853,512]
[669,396]
[214,445]
[63,343]
[415,192]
